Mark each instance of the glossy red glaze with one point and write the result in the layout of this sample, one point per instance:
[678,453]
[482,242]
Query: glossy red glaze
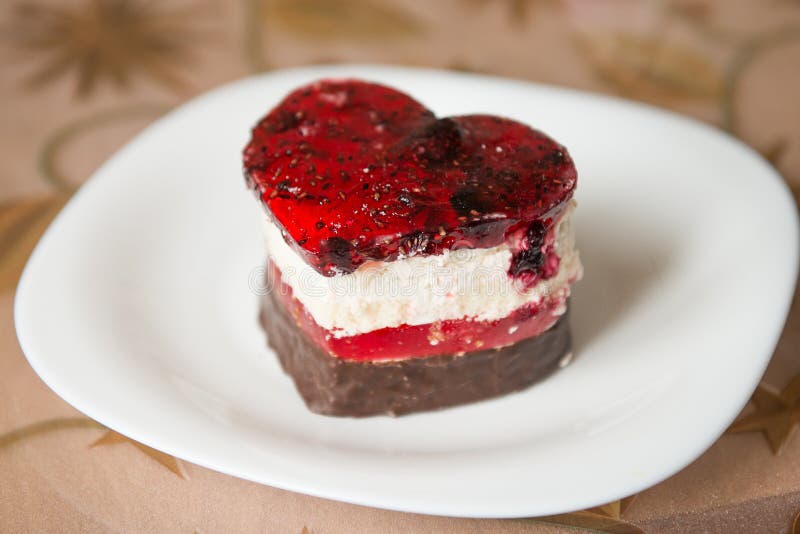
[419,341]
[355,171]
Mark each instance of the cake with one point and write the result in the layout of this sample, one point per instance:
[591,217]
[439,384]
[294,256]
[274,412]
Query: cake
[414,262]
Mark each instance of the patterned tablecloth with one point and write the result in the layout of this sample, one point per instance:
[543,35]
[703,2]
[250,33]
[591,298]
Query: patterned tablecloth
[80,78]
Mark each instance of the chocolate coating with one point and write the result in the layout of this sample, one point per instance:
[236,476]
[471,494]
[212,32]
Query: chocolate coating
[332,386]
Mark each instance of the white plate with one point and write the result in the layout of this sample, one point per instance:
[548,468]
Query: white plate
[136,308]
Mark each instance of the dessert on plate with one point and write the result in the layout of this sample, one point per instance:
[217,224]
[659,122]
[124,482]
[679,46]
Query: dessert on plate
[415,262]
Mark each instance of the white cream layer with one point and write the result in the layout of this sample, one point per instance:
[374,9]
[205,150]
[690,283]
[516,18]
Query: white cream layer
[465,283]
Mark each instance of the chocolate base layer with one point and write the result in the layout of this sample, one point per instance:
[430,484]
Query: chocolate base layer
[332,386]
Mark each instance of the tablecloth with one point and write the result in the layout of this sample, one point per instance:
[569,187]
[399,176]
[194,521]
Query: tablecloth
[80,78]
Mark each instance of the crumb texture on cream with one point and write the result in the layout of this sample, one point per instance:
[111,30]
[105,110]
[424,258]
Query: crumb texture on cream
[457,284]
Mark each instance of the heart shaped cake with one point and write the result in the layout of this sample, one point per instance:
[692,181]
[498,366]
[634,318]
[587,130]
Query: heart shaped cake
[414,262]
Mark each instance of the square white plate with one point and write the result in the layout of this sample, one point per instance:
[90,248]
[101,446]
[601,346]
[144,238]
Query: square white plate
[137,308]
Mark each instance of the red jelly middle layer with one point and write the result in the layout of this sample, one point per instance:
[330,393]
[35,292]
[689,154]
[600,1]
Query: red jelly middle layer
[419,341]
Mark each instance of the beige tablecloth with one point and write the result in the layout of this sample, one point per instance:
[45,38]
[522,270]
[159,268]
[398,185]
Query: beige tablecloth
[80,78]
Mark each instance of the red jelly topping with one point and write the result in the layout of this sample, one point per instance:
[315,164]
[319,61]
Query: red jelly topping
[419,341]
[355,171]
